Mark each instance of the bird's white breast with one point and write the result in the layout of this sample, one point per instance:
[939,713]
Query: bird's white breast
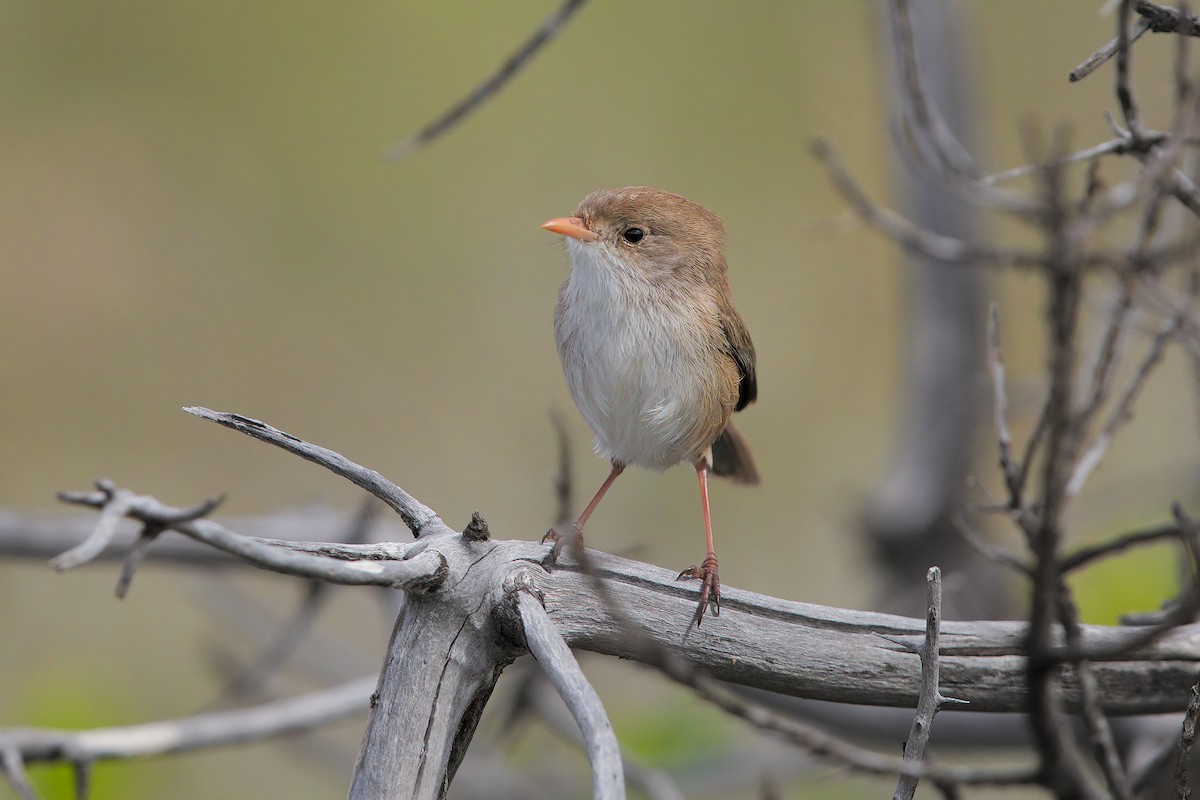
[636,361]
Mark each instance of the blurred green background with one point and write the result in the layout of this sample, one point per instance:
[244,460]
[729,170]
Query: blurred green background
[193,210]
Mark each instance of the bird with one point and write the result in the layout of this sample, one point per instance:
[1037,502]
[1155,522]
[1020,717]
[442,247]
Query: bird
[655,355]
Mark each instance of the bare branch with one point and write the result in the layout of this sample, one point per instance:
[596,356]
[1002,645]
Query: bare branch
[1095,721]
[1174,619]
[213,729]
[930,699]
[13,764]
[419,518]
[906,234]
[422,572]
[1086,555]
[1123,411]
[513,65]
[1089,64]
[547,646]
[1008,466]
[111,514]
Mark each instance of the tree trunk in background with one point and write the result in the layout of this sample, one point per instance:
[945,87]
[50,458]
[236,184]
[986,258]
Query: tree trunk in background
[909,517]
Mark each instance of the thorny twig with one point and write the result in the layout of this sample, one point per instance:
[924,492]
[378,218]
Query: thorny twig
[930,699]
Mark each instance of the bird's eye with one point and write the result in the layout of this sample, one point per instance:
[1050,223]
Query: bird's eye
[633,235]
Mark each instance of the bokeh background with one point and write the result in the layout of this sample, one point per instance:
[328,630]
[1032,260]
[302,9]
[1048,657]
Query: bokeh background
[194,211]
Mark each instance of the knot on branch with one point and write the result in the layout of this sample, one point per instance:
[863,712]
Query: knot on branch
[477,529]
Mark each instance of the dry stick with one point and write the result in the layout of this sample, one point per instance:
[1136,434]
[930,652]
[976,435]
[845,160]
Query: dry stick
[925,132]
[423,572]
[1107,358]
[14,769]
[1184,612]
[1124,92]
[802,734]
[1000,408]
[1183,760]
[909,236]
[1168,20]
[655,783]
[150,531]
[1123,412]
[949,152]
[990,550]
[555,657]
[214,729]
[1086,555]
[930,699]
[1032,444]
[1089,64]
[106,527]
[549,28]
[1120,146]
[824,744]
[43,536]
[419,518]
[1094,719]
[1061,765]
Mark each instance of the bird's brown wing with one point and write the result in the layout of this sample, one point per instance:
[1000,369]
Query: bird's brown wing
[741,350]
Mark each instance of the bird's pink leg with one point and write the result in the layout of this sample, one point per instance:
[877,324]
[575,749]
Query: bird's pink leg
[576,535]
[710,589]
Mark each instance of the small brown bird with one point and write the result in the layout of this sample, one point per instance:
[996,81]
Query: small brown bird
[655,355]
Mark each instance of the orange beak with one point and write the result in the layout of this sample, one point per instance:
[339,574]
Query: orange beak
[571,226]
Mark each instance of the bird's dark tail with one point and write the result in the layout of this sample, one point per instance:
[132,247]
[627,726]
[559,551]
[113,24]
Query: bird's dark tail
[731,457]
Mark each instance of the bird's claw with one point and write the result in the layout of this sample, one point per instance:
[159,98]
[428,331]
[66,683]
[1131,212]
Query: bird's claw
[710,588]
[574,538]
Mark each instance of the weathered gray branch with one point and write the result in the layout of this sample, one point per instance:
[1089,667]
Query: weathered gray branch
[464,622]
[551,651]
[217,728]
[931,699]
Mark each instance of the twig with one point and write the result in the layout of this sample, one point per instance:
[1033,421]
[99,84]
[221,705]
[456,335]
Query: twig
[909,236]
[1090,64]
[1086,555]
[1062,770]
[1093,714]
[930,699]
[423,572]
[547,646]
[991,550]
[419,518]
[1107,358]
[214,729]
[1123,411]
[1183,613]
[13,765]
[1168,20]
[150,531]
[42,536]
[1124,91]
[933,133]
[549,28]
[532,697]
[1000,408]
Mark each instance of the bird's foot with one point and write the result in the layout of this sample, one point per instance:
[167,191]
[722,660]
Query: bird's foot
[573,538]
[710,588]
